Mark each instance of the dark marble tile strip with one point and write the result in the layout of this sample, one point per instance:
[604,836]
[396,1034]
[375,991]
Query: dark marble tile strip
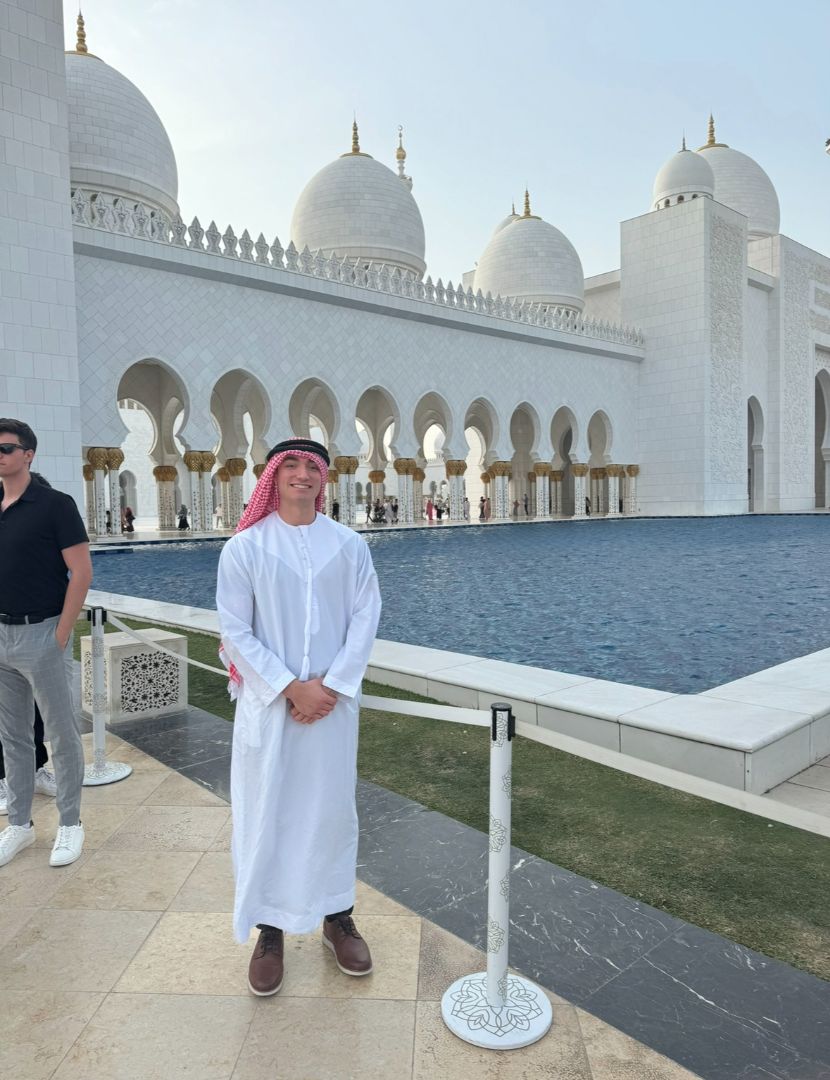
[720,1010]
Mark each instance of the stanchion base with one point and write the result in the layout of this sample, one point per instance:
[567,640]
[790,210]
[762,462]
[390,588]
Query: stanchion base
[108,773]
[524,1020]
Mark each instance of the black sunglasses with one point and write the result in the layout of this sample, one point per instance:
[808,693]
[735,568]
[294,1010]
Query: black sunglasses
[10,447]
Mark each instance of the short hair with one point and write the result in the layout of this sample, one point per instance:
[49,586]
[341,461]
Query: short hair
[28,439]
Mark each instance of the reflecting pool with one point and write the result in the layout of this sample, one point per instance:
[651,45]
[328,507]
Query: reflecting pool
[678,604]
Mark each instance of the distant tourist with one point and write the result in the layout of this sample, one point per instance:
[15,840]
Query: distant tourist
[481,508]
[466,508]
[394,508]
[527,504]
[183,524]
[217,517]
[295,826]
[488,510]
[108,519]
[129,518]
[45,572]
[587,506]
[430,510]
[439,509]
[515,508]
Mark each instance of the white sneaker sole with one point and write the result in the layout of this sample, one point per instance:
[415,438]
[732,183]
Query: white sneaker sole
[5,859]
[65,858]
[264,993]
[330,945]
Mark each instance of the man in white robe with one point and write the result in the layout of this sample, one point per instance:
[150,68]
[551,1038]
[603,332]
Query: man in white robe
[298,605]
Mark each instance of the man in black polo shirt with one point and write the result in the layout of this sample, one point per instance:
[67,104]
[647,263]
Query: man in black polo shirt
[42,540]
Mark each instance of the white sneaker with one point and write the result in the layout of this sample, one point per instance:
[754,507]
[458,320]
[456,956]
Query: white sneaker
[69,843]
[13,839]
[4,798]
[45,782]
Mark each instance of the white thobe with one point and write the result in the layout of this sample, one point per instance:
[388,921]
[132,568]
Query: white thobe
[295,601]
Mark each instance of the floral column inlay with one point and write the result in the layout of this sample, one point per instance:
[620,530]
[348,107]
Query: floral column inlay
[500,471]
[208,461]
[115,459]
[224,478]
[98,456]
[455,475]
[418,477]
[542,470]
[165,476]
[89,492]
[614,472]
[580,471]
[556,478]
[405,468]
[347,497]
[233,511]
[633,471]
[193,461]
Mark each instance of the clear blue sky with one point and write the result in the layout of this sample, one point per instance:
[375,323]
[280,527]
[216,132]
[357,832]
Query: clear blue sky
[583,102]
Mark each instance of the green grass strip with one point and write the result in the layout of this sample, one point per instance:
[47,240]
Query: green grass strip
[757,882]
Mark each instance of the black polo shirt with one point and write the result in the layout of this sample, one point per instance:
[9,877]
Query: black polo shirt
[33,533]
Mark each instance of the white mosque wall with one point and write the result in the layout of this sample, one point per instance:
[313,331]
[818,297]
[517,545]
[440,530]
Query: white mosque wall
[202,316]
[602,297]
[39,360]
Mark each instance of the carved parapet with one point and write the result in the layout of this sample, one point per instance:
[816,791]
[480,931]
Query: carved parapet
[259,470]
[377,476]
[193,460]
[557,475]
[419,475]
[98,456]
[455,467]
[633,470]
[405,466]
[208,460]
[500,468]
[88,472]
[164,472]
[236,466]
[346,465]
[579,469]
[223,476]
[542,468]
[115,457]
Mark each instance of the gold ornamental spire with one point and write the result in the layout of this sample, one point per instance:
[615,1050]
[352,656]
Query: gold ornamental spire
[400,153]
[355,138]
[513,208]
[527,204]
[683,144]
[711,140]
[80,43]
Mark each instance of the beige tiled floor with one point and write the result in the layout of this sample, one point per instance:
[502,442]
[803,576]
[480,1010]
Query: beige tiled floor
[123,967]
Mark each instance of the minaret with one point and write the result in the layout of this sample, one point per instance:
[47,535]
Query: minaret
[400,156]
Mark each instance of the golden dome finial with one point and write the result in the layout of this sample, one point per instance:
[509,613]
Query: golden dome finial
[683,144]
[527,212]
[80,44]
[513,208]
[400,153]
[711,140]
[355,139]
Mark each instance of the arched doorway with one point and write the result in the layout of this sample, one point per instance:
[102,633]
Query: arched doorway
[524,436]
[755,456]
[563,435]
[822,440]
[481,432]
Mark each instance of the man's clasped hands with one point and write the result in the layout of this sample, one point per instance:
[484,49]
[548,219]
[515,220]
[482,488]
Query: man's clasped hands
[309,701]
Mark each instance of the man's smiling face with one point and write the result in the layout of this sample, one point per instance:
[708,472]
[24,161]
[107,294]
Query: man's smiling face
[298,481]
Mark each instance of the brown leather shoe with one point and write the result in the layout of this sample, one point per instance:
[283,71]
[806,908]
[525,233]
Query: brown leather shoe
[350,950]
[265,968]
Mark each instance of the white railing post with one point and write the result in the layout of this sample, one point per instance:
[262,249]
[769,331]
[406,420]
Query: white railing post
[494,1009]
[100,771]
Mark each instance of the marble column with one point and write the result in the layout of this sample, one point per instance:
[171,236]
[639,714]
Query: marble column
[97,456]
[193,461]
[377,481]
[501,490]
[531,498]
[89,492]
[346,468]
[115,459]
[614,473]
[602,491]
[165,476]
[236,470]
[208,461]
[485,480]
[405,468]
[556,478]
[632,471]
[825,454]
[580,472]
[418,477]
[542,472]
[331,489]
[224,478]
[455,475]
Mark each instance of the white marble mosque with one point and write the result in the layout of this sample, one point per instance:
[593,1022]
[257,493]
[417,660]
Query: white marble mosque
[158,360]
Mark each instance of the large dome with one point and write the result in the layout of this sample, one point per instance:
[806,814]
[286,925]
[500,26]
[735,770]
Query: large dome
[742,184]
[357,207]
[117,143]
[531,260]
[684,176]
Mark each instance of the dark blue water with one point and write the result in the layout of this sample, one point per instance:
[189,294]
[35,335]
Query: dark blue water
[678,605]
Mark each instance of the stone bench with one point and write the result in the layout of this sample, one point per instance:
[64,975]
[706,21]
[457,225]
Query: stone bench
[139,680]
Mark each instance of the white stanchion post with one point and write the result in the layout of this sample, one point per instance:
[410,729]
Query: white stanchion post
[100,771]
[494,1009]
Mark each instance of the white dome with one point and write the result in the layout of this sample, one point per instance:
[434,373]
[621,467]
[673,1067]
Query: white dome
[505,222]
[531,260]
[743,185]
[117,143]
[686,174]
[357,207]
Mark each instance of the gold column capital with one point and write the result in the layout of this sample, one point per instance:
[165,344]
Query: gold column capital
[164,472]
[259,469]
[193,460]
[418,475]
[346,465]
[98,456]
[455,467]
[222,475]
[405,466]
[115,457]
[633,470]
[542,468]
[88,472]
[208,460]
[579,469]
[377,476]
[500,468]
[236,466]
[557,475]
